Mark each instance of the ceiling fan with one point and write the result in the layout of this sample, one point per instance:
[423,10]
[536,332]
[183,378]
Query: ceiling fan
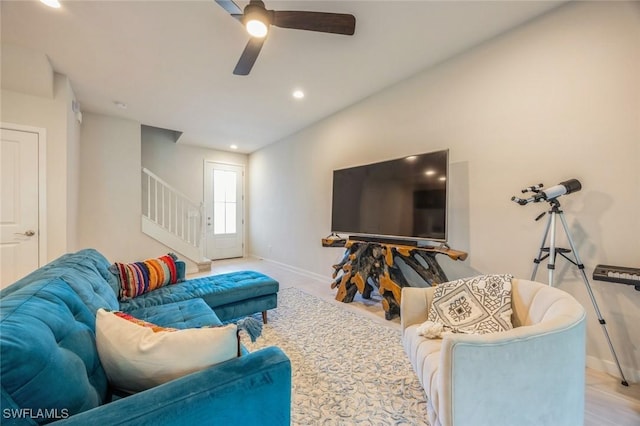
[257,19]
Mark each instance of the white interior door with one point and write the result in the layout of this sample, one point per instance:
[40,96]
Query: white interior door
[19,225]
[224,210]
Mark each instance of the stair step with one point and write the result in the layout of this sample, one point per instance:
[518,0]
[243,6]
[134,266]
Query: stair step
[204,266]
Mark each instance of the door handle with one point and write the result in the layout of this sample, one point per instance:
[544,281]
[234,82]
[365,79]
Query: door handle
[28,233]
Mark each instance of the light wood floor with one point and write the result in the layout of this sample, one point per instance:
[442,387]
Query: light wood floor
[607,402]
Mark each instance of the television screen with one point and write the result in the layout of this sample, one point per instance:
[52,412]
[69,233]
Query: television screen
[404,198]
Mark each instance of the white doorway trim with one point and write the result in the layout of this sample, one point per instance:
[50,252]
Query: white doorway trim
[206,196]
[42,184]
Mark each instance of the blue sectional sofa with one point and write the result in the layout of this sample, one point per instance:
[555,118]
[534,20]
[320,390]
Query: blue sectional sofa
[231,295]
[50,369]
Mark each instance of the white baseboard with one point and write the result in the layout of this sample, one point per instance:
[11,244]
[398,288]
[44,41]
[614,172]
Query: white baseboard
[610,367]
[306,273]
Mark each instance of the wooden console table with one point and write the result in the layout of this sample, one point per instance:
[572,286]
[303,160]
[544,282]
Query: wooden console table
[385,266]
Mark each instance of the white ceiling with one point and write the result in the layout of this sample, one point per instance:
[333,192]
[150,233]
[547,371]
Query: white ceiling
[171,62]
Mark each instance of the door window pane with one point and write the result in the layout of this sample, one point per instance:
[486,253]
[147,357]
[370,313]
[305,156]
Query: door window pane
[230,187]
[225,199]
[218,218]
[230,225]
[219,190]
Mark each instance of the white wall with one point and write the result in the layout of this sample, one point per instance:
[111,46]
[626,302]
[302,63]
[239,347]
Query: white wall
[73,178]
[556,99]
[181,165]
[62,131]
[110,190]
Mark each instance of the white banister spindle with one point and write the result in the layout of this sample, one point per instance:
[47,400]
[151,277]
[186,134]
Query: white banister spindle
[155,201]
[175,215]
[148,195]
[182,222]
[188,234]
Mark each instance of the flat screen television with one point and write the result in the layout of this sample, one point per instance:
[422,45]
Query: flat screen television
[404,199]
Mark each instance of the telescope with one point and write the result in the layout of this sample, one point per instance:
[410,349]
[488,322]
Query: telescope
[549,194]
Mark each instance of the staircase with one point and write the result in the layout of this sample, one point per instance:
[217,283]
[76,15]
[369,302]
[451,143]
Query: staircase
[171,218]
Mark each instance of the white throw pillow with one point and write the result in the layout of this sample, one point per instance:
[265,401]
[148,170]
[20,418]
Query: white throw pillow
[138,355]
[477,305]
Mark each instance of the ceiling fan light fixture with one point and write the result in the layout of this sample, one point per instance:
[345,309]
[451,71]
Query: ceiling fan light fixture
[51,3]
[256,28]
[256,20]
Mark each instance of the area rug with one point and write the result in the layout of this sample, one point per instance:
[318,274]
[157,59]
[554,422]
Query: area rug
[347,369]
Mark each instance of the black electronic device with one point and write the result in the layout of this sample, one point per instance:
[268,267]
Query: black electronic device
[618,274]
[334,240]
[404,198]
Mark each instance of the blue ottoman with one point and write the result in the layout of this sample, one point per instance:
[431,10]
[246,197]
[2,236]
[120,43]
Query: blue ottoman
[231,295]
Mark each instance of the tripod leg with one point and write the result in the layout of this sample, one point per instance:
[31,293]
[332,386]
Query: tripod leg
[536,261]
[551,265]
[592,297]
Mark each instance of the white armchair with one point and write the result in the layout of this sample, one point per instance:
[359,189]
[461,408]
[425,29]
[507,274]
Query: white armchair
[531,375]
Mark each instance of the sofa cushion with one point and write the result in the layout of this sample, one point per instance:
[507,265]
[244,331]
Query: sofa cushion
[215,290]
[142,277]
[86,272]
[192,313]
[479,304]
[424,355]
[138,355]
[47,347]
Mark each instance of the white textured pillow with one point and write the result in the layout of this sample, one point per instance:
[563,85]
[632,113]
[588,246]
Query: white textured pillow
[138,355]
[477,305]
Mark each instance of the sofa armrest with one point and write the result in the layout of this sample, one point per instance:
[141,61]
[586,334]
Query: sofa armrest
[510,375]
[252,389]
[414,305]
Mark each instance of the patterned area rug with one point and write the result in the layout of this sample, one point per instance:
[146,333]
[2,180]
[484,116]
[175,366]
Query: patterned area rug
[347,369]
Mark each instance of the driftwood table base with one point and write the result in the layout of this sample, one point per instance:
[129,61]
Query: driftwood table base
[387,267]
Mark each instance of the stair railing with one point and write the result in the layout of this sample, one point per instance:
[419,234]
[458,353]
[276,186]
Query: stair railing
[170,209]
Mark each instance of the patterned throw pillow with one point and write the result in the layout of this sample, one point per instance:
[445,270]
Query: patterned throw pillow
[142,277]
[138,355]
[477,305]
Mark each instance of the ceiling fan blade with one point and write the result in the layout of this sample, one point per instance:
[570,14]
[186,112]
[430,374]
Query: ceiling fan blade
[231,7]
[335,23]
[249,56]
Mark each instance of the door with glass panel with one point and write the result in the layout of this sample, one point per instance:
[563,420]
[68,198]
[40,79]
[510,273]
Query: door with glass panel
[224,219]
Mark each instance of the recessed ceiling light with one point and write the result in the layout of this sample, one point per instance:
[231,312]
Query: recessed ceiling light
[298,94]
[430,172]
[234,146]
[411,158]
[120,105]
[442,178]
[51,3]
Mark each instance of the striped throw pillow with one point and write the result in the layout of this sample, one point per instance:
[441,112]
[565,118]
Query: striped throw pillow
[142,277]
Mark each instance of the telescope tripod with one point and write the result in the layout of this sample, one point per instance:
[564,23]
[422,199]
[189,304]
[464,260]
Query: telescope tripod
[551,252]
